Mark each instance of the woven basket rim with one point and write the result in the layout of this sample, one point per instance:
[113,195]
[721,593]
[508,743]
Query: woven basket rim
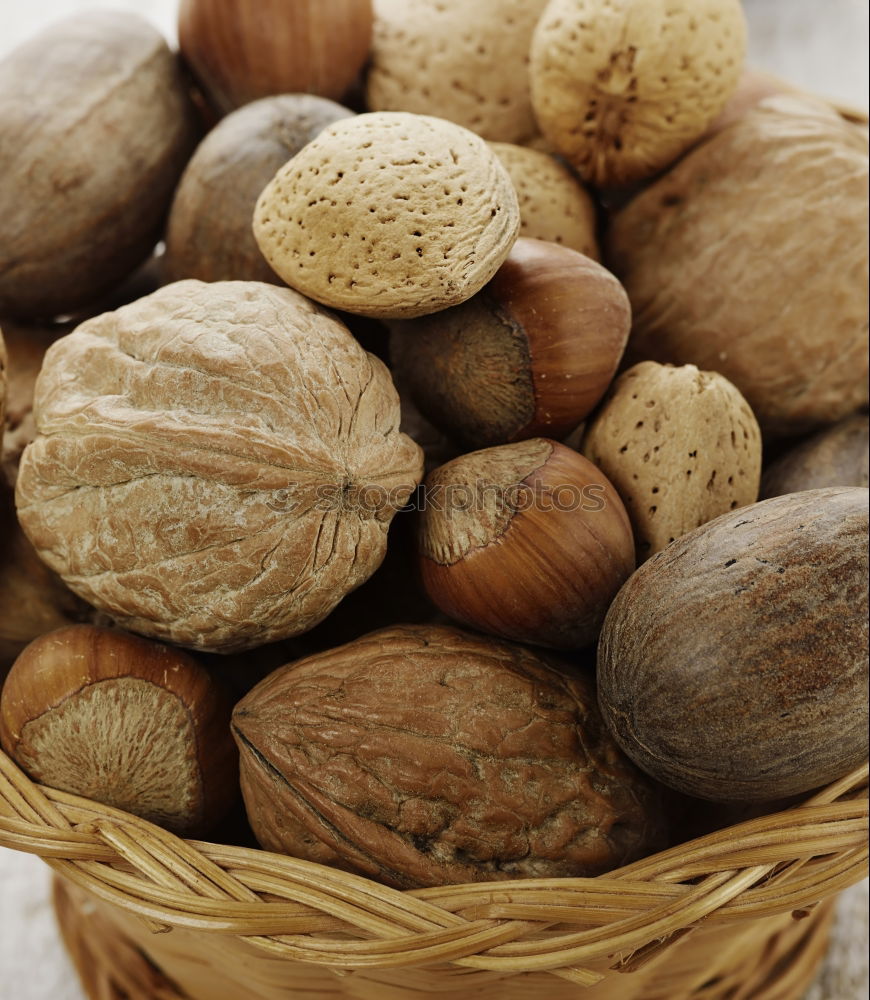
[779,863]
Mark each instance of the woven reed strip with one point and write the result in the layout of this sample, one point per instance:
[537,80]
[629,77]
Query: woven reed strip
[773,864]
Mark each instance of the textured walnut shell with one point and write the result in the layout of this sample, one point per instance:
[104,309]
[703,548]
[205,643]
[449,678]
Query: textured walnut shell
[230,168]
[95,129]
[554,205]
[390,215]
[126,722]
[681,447]
[527,541]
[241,50]
[621,89]
[750,259]
[216,464]
[529,355]
[421,755]
[835,456]
[466,62]
[733,665]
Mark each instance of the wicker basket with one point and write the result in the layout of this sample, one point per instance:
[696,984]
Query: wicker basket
[730,916]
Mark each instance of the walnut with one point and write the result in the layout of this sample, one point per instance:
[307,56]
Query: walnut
[422,755]
[215,465]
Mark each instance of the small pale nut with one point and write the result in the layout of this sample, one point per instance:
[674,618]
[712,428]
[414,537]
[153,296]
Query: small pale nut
[467,62]
[129,723]
[622,88]
[526,541]
[390,215]
[216,464]
[681,446]
[422,755]
[749,258]
[554,205]
[230,168]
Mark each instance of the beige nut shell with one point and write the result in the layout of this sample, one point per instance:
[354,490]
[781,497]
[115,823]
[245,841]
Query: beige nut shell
[390,215]
[460,60]
[750,258]
[681,446]
[622,88]
[554,205]
[202,461]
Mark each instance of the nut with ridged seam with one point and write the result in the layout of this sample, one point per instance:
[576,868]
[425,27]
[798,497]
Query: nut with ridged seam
[389,215]
[126,722]
[554,205]
[216,464]
[622,88]
[467,62]
[527,541]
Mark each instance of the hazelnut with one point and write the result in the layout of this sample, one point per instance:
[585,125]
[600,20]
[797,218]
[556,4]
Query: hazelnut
[215,464]
[528,541]
[835,456]
[621,89]
[421,755]
[681,447]
[389,215]
[240,50]
[126,722]
[733,664]
[95,128]
[554,205]
[466,62]
[749,258]
[230,168]
[531,354]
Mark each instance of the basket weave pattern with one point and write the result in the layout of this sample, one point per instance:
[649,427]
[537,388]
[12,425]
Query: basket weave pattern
[721,901]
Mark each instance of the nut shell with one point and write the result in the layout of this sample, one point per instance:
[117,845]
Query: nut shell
[835,456]
[733,665]
[554,205]
[681,447]
[133,724]
[95,129]
[749,258]
[203,464]
[466,62]
[390,215]
[621,89]
[230,168]
[421,755]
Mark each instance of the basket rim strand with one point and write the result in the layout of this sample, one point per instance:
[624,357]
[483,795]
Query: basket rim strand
[779,863]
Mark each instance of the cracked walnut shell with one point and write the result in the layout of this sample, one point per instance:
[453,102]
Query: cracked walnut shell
[216,464]
[389,215]
[423,755]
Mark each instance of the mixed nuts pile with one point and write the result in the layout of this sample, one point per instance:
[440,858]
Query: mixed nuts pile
[381,478]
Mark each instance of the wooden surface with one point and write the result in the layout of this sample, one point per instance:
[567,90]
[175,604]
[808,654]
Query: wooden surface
[820,46]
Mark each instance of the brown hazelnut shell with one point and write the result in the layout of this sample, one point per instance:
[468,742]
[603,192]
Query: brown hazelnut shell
[531,354]
[134,724]
[527,541]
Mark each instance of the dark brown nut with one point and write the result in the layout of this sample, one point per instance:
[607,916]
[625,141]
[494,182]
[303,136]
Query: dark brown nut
[749,258]
[95,129]
[835,456]
[241,50]
[129,723]
[531,354]
[733,665]
[421,755]
[232,165]
[527,541]
[216,464]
